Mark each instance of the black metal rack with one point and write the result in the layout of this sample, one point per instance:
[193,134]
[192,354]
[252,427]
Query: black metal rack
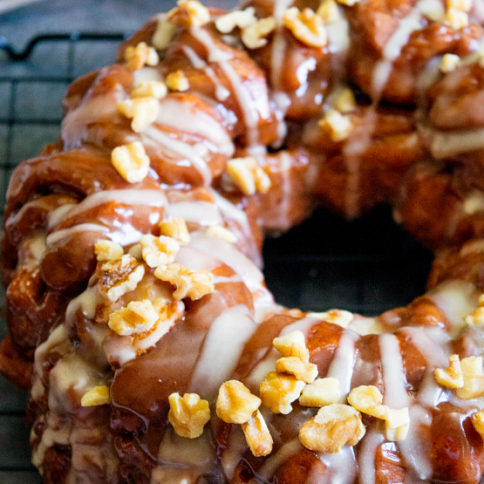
[365,266]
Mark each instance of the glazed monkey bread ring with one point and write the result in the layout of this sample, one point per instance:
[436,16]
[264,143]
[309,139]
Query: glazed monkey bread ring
[138,316]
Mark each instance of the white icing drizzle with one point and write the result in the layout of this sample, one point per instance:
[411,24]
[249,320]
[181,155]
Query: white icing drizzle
[93,109]
[146,74]
[343,362]
[394,46]
[283,221]
[339,34]
[87,302]
[58,235]
[422,339]
[202,213]
[278,46]
[189,118]
[271,464]
[341,465]
[415,450]
[472,247]
[394,378]
[231,211]
[449,143]
[366,457]
[237,445]
[152,136]
[222,348]
[303,325]
[243,95]
[131,196]
[182,460]
[220,92]
[456,298]
[230,255]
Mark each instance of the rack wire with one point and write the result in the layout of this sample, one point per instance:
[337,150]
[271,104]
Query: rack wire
[365,266]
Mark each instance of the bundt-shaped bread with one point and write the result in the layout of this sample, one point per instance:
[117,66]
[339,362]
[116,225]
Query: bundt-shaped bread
[137,311]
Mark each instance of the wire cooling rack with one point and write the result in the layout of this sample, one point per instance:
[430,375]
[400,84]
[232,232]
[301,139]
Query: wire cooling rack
[365,266]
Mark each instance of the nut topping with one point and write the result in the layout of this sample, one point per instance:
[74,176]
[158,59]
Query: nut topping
[175,228]
[120,276]
[235,402]
[139,56]
[333,427]
[107,250]
[321,392]
[157,251]
[188,414]
[136,317]
[99,395]
[306,26]
[192,284]
[257,435]
[141,110]
[302,370]
[453,376]
[131,162]
[292,344]
[278,391]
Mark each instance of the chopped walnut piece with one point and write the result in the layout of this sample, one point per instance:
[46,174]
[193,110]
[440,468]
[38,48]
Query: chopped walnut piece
[164,33]
[345,101]
[348,3]
[248,176]
[157,251]
[473,378]
[336,125]
[463,5]
[333,427]
[449,63]
[120,276]
[175,228]
[302,370]
[141,110]
[476,318]
[453,376]
[238,18]
[136,317]
[188,414]
[292,344]
[177,81]
[321,392]
[254,35]
[328,11]
[222,233]
[149,89]
[257,435]
[477,420]
[106,250]
[192,284]
[397,422]
[131,161]
[235,402]
[139,56]
[306,26]
[279,391]
[99,395]
[189,13]
[368,399]
[457,19]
